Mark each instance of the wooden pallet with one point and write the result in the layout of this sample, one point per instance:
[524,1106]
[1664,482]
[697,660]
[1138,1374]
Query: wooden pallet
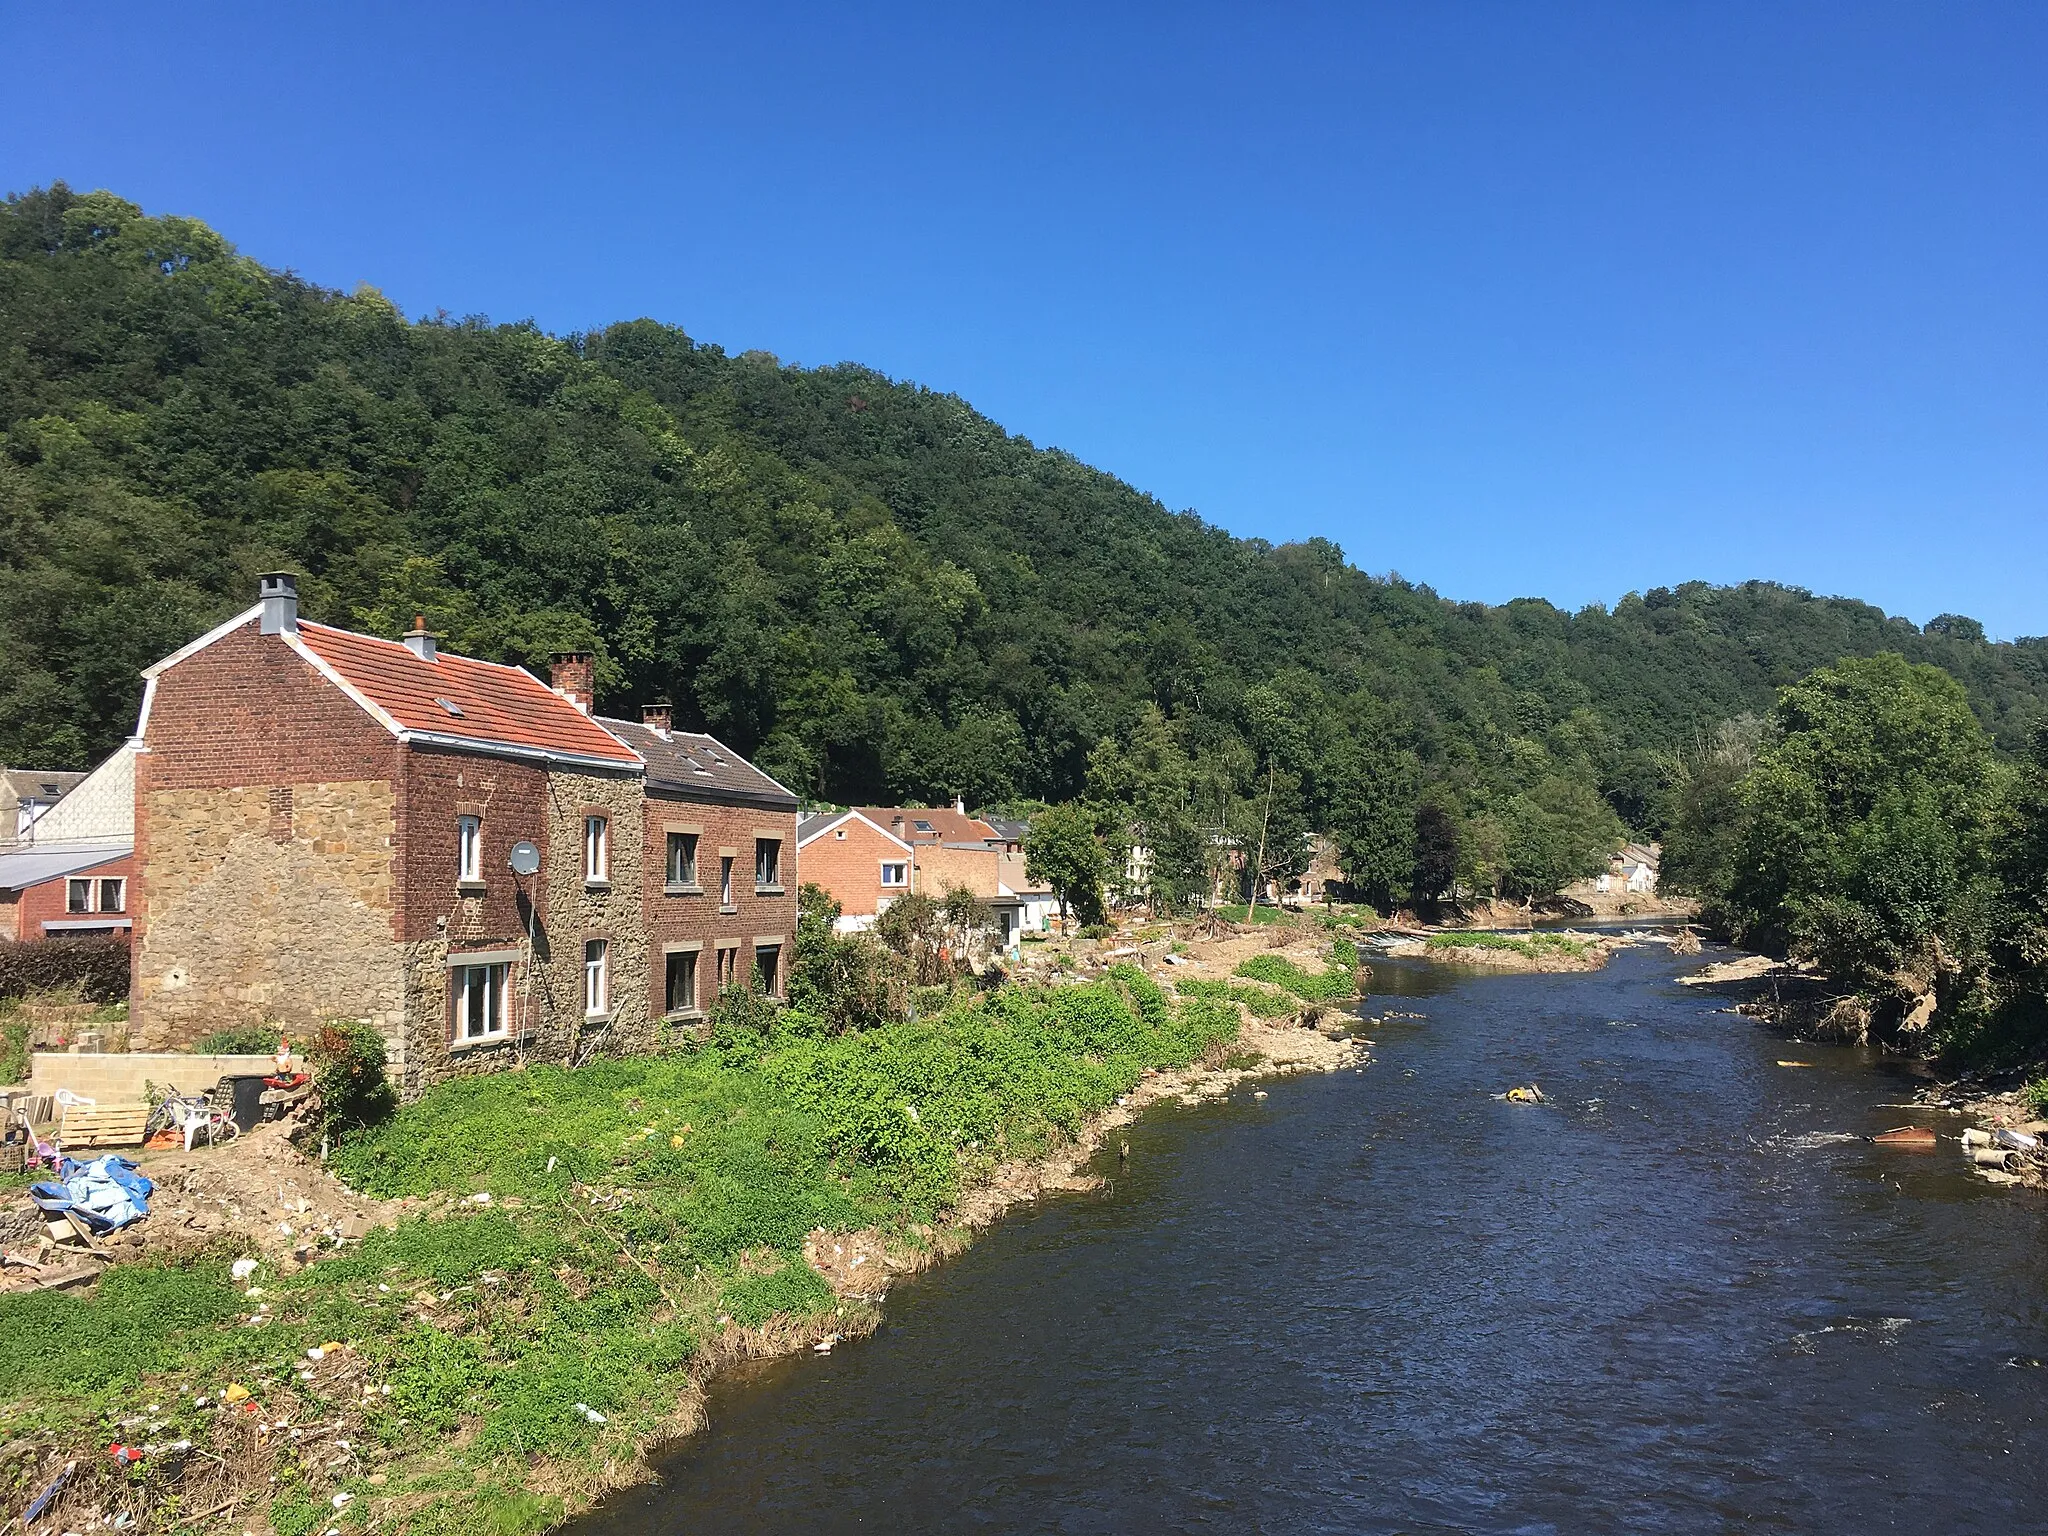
[105,1125]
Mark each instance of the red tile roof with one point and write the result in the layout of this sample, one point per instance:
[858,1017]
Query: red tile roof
[499,706]
[947,824]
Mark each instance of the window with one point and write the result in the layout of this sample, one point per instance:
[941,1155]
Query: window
[682,982]
[725,881]
[90,895]
[481,993]
[597,985]
[895,874]
[728,961]
[768,861]
[682,858]
[469,848]
[768,966]
[597,850]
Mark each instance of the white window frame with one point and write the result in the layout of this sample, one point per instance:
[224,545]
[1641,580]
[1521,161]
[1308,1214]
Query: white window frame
[597,850]
[491,986]
[597,978]
[469,849]
[683,876]
[78,894]
[725,864]
[767,871]
[902,880]
[120,885]
[690,957]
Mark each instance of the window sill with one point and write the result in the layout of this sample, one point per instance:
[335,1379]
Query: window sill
[728,910]
[502,1037]
[684,1016]
[769,890]
[469,887]
[682,890]
[597,885]
[597,1018]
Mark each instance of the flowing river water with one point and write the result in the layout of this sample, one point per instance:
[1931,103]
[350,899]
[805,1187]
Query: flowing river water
[1677,1298]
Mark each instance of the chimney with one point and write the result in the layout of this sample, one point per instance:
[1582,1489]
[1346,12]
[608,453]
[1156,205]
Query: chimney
[959,805]
[657,717]
[419,640]
[896,824]
[574,678]
[279,591]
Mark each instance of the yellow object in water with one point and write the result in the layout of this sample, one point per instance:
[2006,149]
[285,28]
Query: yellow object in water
[1529,1095]
[1795,1063]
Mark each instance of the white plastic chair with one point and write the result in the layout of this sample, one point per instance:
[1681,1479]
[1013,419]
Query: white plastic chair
[194,1113]
[67,1101]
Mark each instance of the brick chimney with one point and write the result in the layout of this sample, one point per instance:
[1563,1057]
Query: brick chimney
[419,640]
[279,594]
[896,825]
[571,675]
[658,717]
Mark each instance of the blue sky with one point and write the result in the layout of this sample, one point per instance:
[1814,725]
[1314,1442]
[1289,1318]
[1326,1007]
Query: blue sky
[1555,300]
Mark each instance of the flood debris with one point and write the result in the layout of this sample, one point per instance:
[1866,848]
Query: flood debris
[1526,1093]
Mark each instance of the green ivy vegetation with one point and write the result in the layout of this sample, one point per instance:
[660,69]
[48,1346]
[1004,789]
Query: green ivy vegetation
[634,1205]
[872,589]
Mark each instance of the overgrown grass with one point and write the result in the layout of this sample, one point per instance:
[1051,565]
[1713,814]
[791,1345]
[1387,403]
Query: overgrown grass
[680,1194]
[1310,986]
[1532,945]
[14,1062]
[238,1040]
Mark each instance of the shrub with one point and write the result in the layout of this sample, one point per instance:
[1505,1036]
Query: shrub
[97,966]
[238,1040]
[348,1070]
[14,1061]
[2035,1093]
[1277,970]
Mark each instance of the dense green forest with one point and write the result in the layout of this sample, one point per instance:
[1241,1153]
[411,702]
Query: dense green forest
[873,589]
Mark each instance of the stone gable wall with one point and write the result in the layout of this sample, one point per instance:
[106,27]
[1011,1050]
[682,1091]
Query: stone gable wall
[266,907]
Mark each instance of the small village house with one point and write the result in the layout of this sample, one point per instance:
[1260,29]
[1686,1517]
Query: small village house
[25,794]
[868,857]
[859,862]
[332,825]
[70,871]
[719,876]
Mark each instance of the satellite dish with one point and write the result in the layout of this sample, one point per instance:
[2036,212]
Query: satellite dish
[525,858]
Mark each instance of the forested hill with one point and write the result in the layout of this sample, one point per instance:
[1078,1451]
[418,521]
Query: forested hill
[877,591]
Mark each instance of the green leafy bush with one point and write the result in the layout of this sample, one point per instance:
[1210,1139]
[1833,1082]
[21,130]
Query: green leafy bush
[1316,987]
[97,966]
[238,1040]
[348,1071]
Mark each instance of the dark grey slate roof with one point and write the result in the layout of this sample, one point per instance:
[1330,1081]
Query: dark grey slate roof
[701,767]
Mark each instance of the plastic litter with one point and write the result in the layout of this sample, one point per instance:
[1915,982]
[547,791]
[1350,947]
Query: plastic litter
[589,1412]
[242,1269]
[2015,1141]
[1528,1093]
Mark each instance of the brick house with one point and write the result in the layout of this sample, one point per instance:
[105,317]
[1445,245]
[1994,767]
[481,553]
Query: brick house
[69,873]
[325,825]
[859,861]
[719,875]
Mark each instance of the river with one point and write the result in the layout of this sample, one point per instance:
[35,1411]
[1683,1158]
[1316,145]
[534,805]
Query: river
[1384,1302]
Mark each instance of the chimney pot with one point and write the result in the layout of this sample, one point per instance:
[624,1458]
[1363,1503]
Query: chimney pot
[421,641]
[658,716]
[278,592]
[574,677]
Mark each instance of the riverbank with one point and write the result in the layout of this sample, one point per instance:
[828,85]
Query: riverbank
[578,1252]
